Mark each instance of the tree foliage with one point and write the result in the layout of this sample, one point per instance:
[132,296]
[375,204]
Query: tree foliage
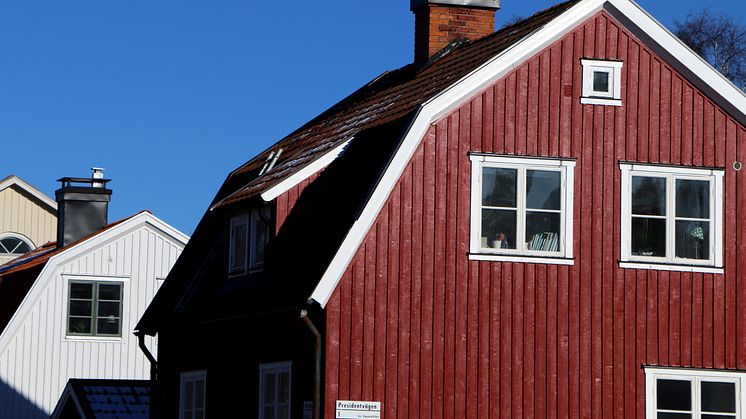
[719,39]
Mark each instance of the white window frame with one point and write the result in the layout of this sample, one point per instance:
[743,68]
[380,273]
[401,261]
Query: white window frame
[22,239]
[714,264]
[613,97]
[695,377]
[188,378]
[275,368]
[566,167]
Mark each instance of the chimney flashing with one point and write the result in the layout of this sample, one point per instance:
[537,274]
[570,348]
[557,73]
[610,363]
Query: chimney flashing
[484,4]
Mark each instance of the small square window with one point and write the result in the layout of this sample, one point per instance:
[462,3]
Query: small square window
[94,309]
[671,217]
[521,209]
[602,82]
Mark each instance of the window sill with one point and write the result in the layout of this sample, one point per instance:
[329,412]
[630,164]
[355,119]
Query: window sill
[521,259]
[600,101]
[670,267]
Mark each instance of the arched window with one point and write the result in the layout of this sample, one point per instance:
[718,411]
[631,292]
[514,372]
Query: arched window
[13,244]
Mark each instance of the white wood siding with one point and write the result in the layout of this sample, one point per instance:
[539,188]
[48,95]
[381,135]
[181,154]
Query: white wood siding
[40,359]
[20,213]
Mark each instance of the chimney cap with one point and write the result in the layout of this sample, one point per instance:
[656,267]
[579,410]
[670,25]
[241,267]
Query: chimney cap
[484,4]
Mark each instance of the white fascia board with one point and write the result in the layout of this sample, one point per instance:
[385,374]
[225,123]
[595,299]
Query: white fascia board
[710,78]
[88,245]
[429,112]
[304,173]
[15,180]
[487,74]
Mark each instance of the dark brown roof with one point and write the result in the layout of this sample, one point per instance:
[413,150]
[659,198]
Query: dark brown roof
[391,96]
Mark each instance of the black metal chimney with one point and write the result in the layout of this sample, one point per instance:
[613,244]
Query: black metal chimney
[82,207]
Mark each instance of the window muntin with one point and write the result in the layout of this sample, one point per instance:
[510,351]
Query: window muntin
[11,244]
[602,82]
[521,206]
[671,215]
[274,390]
[193,395]
[698,394]
[95,309]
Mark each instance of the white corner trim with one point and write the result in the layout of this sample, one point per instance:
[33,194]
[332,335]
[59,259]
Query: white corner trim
[673,268]
[600,101]
[140,220]
[15,180]
[436,107]
[305,172]
[482,77]
[493,257]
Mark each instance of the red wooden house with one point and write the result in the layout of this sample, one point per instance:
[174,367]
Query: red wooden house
[545,221]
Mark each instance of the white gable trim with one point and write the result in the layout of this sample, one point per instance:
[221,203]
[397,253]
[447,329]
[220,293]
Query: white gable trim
[304,173]
[88,245]
[485,75]
[15,180]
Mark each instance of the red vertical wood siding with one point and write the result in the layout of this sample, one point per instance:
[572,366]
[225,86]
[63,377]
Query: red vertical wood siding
[416,325]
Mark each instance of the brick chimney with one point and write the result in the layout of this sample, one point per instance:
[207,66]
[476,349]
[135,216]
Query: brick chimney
[440,22]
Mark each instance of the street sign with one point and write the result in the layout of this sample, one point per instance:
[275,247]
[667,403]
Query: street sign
[358,410]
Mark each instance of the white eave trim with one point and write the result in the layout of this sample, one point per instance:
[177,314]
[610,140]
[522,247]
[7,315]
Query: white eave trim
[304,173]
[490,72]
[15,180]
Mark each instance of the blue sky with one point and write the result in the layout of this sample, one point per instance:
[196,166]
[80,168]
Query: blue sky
[169,96]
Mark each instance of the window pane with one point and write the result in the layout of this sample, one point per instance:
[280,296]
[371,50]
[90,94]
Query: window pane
[499,187]
[498,229]
[693,198]
[543,189]
[693,239]
[110,292]
[199,414]
[79,325]
[269,412]
[718,416]
[188,395]
[199,394]
[107,326]
[107,309]
[648,237]
[600,81]
[269,388]
[238,246]
[284,387]
[80,308]
[674,415]
[259,232]
[81,291]
[542,231]
[674,395]
[188,415]
[648,195]
[719,397]
[284,412]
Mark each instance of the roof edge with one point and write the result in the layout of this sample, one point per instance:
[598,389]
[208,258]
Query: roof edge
[41,196]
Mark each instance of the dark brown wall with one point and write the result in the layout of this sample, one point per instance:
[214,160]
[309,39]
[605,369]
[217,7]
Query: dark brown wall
[416,325]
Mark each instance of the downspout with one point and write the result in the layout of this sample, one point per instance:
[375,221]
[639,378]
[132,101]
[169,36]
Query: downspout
[317,372]
[153,363]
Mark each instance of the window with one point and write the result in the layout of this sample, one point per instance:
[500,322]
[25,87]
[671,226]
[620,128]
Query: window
[249,234]
[95,309]
[274,391]
[672,218]
[521,209]
[697,394]
[12,244]
[602,82]
[193,395]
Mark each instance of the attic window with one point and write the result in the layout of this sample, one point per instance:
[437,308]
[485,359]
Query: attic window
[11,244]
[602,82]
[249,234]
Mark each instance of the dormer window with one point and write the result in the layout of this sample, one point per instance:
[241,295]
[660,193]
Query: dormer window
[602,82]
[249,234]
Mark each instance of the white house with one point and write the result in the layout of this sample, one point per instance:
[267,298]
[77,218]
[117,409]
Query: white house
[67,310]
